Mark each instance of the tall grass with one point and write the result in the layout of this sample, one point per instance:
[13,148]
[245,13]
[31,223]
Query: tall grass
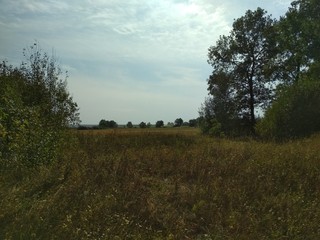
[166,185]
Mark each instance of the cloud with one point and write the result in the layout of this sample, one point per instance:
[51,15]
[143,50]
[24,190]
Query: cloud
[127,58]
[34,6]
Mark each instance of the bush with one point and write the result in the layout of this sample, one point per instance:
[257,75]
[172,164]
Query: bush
[35,109]
[216,129]
[294,114]
[211,127]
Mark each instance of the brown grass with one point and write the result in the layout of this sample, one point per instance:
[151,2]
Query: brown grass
[166,184]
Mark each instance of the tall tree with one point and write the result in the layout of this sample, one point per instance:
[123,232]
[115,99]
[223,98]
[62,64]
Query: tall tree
[240,78]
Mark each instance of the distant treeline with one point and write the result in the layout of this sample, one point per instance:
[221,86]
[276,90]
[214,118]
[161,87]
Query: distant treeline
[105,124]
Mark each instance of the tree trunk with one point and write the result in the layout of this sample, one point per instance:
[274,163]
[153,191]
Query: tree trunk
[251,104]
[251,100]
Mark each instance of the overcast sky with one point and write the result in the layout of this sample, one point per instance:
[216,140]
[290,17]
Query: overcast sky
[132,60]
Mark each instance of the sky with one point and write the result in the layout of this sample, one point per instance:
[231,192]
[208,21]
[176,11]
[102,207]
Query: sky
[127,60]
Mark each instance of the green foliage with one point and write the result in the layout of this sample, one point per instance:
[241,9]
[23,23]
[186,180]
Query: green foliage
[42,78]
[260,58]
[221,106]
[159,124]
[178,122]
[129,125]
[298,34]
[216,129]
[35,108]
[206,113]
[172,183]
[240,82]
[103,124]
[211,127]
[193,123]
[142,125]
[216,123]
[295,113]
[185,124]
[305,14]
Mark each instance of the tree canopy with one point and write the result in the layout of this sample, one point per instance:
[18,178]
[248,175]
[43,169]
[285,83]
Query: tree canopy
[129,124]
[298,34]
[178,122]
[142,125]
[107,124]
[239,81]
[259,66]
[159,124]
[295,113]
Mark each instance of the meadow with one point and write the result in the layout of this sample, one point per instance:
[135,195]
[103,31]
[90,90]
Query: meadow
[166,184]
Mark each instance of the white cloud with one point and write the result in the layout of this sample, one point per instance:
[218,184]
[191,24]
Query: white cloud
[127,58]
[34,6]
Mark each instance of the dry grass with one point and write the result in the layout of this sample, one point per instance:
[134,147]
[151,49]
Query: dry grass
[166,184]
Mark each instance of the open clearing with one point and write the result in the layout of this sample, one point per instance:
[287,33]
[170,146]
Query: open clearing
[166,184]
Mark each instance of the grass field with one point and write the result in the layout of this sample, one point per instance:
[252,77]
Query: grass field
[166,184]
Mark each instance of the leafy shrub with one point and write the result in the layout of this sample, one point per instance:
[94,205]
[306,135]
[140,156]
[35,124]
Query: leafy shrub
[295,113]
[35,109]
[216,129]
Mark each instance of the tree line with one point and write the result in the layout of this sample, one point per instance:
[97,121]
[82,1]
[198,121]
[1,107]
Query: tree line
[265,78]
[264,81]
[104,124]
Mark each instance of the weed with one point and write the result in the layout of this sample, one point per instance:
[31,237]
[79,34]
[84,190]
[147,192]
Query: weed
[163,184]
